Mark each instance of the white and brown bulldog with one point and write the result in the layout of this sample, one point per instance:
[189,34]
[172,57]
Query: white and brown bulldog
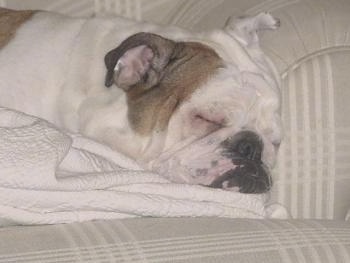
[199,108]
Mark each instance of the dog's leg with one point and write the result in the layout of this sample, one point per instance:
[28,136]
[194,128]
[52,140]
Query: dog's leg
[245,29]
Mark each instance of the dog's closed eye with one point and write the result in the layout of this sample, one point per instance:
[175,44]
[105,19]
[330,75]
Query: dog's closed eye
[209,123]
[213,121]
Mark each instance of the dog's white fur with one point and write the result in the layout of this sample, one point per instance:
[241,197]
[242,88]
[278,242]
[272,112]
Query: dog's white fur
[53,68]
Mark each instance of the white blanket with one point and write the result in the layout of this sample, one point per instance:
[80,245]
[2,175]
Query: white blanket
[48,176]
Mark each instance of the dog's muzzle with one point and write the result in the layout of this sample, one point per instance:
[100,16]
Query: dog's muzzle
[232,163]
[250,175]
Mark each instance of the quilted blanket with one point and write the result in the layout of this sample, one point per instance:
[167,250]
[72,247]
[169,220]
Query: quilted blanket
[48,176]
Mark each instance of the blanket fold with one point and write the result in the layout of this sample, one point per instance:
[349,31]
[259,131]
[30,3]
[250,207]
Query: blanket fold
[48,176]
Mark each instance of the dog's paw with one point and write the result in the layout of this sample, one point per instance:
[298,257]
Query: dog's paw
[267,21]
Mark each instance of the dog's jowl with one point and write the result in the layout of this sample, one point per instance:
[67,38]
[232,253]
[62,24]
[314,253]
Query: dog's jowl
[198,108]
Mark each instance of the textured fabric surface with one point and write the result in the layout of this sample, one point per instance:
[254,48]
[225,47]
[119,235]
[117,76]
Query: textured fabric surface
[312,176]
[311,51]
[49,177]
[180,240]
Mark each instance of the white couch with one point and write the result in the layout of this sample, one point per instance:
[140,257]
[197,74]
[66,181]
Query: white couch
[312,177]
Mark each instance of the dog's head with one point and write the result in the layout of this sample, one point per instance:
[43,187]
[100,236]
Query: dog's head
[207,111]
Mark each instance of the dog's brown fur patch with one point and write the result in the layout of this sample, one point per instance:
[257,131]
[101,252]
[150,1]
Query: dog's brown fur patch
[193,64]
[10,21]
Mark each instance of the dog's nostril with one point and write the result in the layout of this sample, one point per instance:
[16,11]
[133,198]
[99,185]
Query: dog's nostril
[244,145]
[246,149]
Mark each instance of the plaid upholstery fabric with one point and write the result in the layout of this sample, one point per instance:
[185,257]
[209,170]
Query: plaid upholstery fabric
[180,240]
[312,173]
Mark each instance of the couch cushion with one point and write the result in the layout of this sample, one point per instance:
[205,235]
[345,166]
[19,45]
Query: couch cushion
[179,240]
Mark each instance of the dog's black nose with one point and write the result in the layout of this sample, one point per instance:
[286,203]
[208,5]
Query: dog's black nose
[244,145]
[250,175]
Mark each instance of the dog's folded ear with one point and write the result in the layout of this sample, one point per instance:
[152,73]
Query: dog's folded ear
[139,58]
[245,29]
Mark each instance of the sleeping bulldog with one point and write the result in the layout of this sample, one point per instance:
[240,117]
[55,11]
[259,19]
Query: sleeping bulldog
[198,108]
